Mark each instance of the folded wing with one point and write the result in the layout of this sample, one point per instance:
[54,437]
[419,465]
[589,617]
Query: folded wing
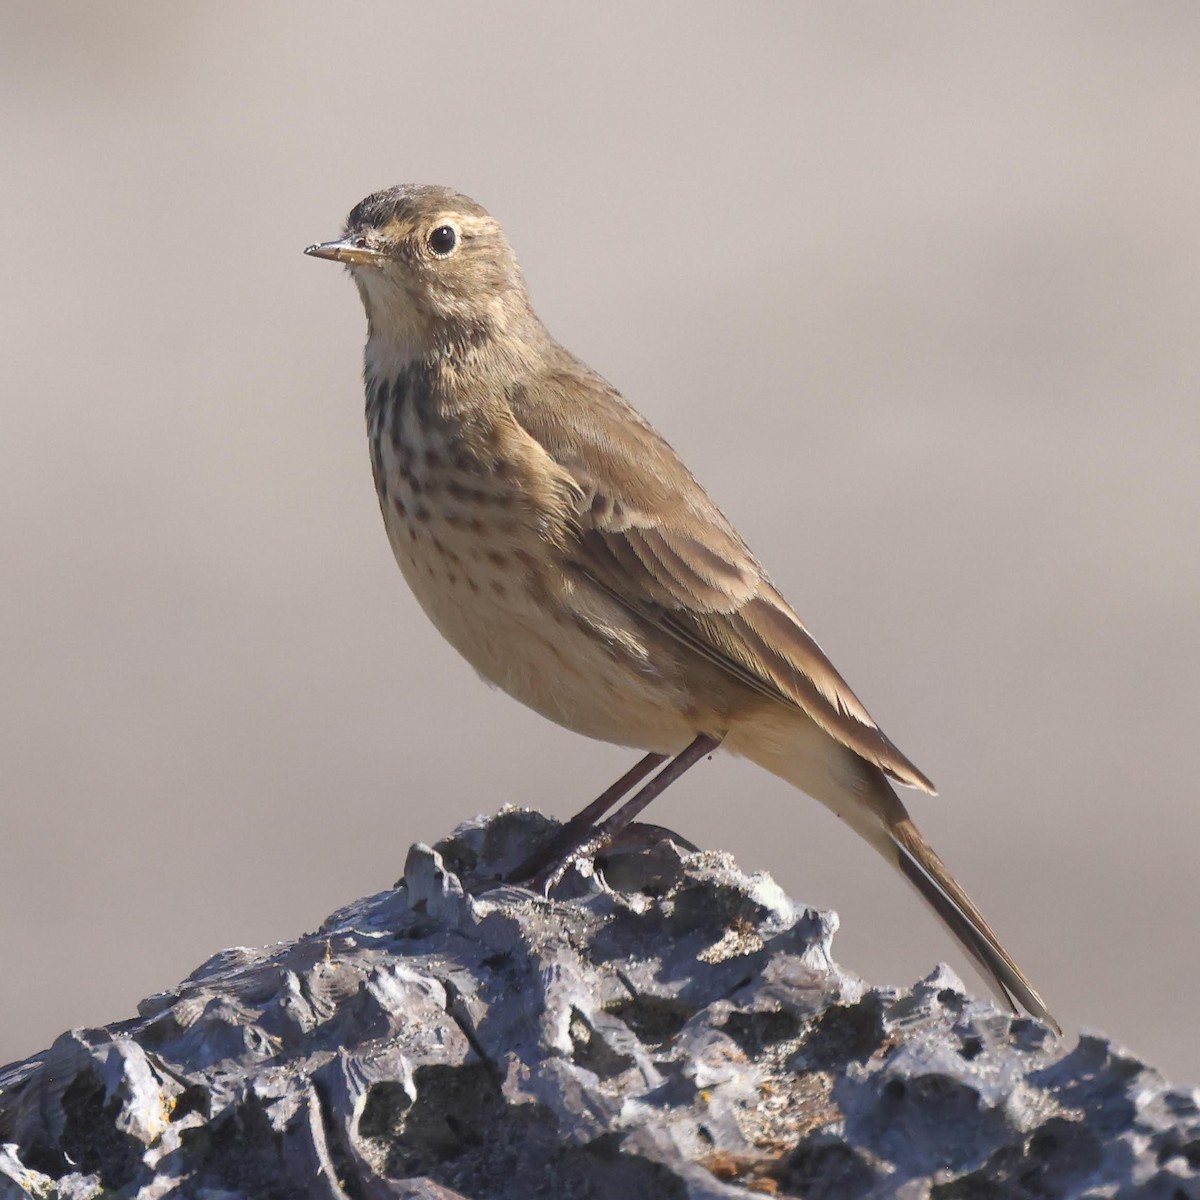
[649,536]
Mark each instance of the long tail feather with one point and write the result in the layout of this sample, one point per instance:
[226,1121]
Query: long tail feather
[922,867]
[859,793]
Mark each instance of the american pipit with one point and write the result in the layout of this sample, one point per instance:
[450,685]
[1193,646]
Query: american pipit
[562,547]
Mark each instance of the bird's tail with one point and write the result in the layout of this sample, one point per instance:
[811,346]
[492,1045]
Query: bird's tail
[920,865]
[859,793]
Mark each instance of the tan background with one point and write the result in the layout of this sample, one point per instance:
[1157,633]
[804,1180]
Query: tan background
[914,288]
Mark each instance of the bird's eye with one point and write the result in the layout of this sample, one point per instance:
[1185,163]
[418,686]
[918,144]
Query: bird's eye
[443,240]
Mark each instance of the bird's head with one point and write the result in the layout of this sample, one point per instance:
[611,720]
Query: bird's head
[434,269]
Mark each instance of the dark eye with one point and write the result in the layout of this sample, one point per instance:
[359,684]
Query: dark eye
[443,240]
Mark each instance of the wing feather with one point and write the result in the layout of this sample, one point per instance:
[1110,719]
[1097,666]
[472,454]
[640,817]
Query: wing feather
[647,534]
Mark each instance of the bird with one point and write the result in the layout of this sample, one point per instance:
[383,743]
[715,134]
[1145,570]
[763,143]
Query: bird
[564,549]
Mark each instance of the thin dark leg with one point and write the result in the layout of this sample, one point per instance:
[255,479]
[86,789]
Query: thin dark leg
[575,831]
[605,833]
[587,817]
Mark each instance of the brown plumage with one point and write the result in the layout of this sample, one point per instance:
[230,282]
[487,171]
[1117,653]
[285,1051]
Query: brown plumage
[564,549]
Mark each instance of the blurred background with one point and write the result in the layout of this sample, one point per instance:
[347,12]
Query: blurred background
[914,288]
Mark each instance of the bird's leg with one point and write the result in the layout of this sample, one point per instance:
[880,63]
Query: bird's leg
[603,834]
[587,817]
[575,831]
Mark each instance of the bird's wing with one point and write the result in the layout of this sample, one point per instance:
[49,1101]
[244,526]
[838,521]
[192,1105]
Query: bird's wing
[647,534]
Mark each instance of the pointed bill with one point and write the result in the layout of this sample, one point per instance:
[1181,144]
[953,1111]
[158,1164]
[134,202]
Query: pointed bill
[350,251]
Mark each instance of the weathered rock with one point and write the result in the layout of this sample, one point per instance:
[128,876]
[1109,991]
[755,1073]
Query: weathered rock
[672,1029]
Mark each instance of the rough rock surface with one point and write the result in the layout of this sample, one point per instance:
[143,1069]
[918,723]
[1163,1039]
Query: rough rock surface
[670,1028]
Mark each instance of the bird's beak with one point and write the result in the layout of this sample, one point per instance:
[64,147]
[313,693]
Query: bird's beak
[349,251]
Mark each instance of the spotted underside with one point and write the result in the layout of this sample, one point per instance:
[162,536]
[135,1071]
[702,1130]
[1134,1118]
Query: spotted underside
[525,539]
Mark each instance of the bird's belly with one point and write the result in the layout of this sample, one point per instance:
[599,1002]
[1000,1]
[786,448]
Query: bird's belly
[498,603]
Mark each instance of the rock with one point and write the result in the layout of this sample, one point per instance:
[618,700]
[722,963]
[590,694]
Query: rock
[668,1027]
